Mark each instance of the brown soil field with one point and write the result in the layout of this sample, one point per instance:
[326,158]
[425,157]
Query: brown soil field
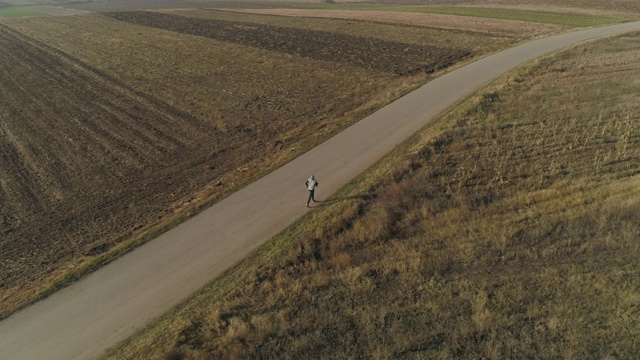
[111,130]
[86,161]
[398,58]
[478,43]
[513,28]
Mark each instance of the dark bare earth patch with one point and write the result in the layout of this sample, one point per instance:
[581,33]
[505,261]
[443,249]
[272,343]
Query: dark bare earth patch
[373,54]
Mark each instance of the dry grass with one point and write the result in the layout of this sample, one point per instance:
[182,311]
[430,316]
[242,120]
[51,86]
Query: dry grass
[507,230]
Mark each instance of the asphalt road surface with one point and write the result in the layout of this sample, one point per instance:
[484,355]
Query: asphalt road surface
[86,318]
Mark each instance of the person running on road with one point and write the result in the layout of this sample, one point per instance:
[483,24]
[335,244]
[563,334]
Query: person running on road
[311,185]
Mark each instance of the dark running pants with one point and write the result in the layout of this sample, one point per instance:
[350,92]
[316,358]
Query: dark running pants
[311,196]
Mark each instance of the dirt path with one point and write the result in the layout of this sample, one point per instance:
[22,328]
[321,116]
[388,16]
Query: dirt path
[83,320]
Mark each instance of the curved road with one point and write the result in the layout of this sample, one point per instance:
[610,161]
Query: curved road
[84,319]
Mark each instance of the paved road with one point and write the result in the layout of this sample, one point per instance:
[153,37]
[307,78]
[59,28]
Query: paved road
[83,320]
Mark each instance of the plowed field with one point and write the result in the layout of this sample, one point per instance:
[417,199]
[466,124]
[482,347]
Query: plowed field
[371,54]
[85,160]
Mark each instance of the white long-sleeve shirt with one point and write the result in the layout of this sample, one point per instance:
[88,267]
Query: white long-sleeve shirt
[311,183]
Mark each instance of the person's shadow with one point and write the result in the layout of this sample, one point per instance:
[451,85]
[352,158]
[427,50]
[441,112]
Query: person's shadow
[320,203]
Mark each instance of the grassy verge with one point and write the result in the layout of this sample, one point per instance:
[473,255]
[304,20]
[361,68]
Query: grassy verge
[17,12]
[508,229]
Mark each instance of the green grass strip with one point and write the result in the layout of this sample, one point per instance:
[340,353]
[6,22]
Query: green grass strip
[16,12]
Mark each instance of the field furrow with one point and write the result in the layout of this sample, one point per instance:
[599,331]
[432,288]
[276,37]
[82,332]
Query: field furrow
[85,160]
